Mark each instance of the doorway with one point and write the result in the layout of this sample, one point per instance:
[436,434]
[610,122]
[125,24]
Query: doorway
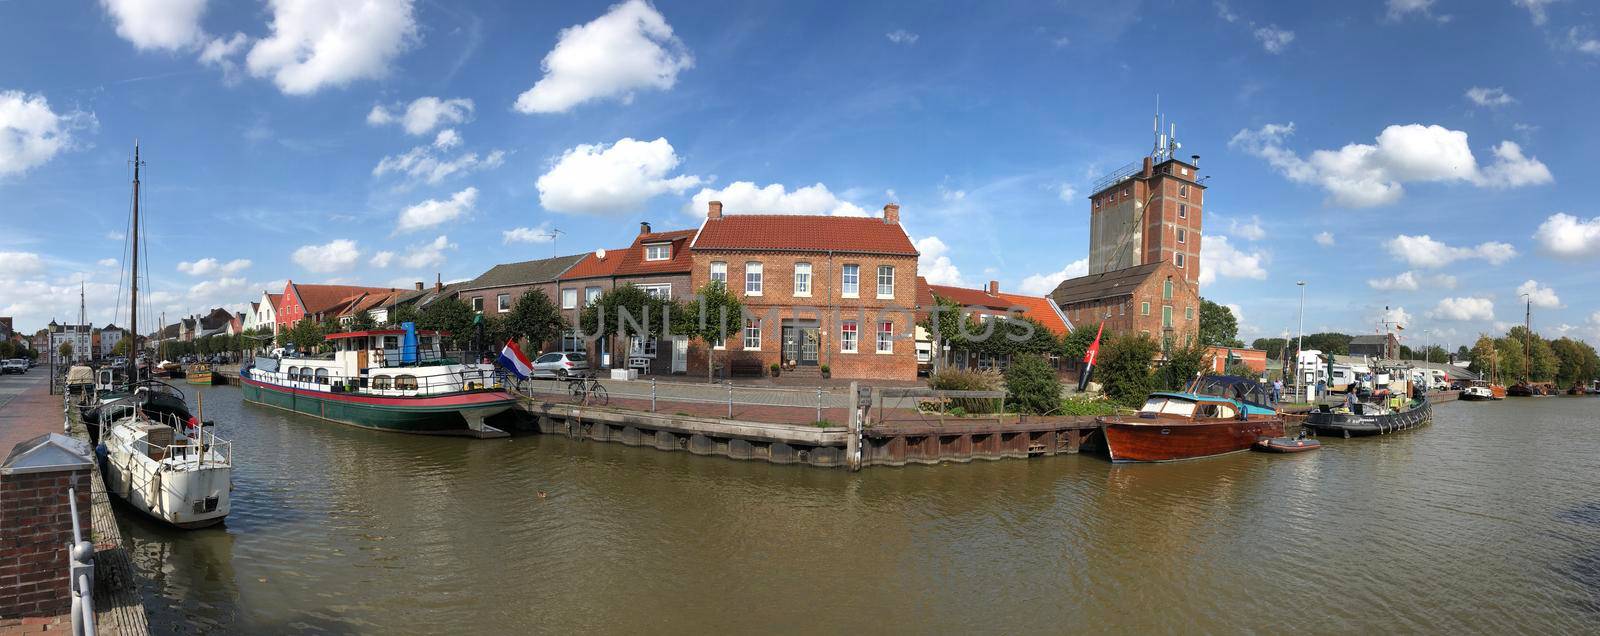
[801,342]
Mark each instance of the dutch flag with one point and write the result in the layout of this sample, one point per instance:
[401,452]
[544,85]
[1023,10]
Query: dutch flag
[512,359]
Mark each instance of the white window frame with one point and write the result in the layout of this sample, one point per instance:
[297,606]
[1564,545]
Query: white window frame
[477,304]
[719,271]
[591,294]
[1183,210]
[641,347]
[502,303]
[882,270]
[850,280]
[569,298]
[1182,234]
[849,337]
[1177,259]
[885,338]
[802,279]
[658,290]
[753,278]
[658,251]
[752,330]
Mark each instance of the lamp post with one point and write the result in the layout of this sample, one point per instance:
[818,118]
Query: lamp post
[1300,341]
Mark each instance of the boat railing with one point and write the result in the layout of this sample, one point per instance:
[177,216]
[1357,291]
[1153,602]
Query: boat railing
[400,384]
[203,446]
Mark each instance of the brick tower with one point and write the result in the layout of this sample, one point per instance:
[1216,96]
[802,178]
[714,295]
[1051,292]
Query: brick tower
[1148,211]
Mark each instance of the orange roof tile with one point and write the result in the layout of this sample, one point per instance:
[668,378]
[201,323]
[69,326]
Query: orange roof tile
[592,266]
[790,232]
[325,298]
[1036,307]
[681,259]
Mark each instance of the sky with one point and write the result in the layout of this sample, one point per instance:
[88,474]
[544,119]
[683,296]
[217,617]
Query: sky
[1416,161]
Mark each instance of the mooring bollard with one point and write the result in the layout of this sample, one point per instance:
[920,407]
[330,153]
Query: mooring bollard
[730,401]
[819,404]
[652,395]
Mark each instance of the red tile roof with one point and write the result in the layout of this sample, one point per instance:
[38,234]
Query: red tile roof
[329,298]
[789,232]
[682,261]
[592,266]
[1036,307]
[277,299]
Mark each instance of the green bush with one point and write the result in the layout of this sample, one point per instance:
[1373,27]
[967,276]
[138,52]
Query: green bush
[1087,406]
[1032,385]
[1183,363]
[963,380]
[1124,369]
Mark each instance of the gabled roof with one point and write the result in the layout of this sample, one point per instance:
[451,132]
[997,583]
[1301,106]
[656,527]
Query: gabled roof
[275,299]
[218,317]
[1036,307]
[680,260]
[924,296]
[524,273]
[369,301]
[592,266]
[1112,284]
[804,233]
[331,298]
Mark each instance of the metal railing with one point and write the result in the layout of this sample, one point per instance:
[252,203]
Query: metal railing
[210,451]
[466,379]
[80,570]
[924,405]
[656,392]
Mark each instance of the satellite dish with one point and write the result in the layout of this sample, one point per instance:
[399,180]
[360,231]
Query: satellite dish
[600,253]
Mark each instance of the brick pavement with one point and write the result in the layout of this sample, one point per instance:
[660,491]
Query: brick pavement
[30,413]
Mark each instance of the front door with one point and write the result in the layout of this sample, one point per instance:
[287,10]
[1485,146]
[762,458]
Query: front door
[680,355]
[810,344]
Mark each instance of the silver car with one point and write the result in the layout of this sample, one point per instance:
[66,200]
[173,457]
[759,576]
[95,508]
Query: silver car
[561,364]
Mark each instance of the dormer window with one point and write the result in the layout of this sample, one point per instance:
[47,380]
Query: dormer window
[658,252]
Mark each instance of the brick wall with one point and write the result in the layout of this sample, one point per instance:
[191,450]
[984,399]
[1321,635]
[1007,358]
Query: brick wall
[35,529]
[1127,313]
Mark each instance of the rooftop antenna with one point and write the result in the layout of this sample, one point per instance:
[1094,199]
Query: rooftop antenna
[554,234]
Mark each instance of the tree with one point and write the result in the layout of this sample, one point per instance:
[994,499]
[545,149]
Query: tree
[1218,326]
[627,311]
[1124,368]
[362,321]
[1076,344]
[1182,365]
[535,318]
[449,315]
[65,350]
[8,349]
[402,314]
[122,346]
[715,315]
[1032,385]
[1273,346]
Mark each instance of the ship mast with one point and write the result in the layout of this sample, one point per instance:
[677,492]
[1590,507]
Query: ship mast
[1527,348]
[133,287]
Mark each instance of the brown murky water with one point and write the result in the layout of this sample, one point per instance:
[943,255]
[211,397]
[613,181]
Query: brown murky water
[1486,522]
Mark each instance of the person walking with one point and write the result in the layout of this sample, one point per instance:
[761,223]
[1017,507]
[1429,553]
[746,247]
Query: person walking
[1277,391]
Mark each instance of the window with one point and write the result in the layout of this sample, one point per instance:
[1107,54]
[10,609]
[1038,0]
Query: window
[719,272]
[848,337]
[1188,313]
[1183,190]
[662,291]
[548,358]
[802,279]
[1166,316]
[382,383]
[591,294]
[851,283]
[658,252]
[477,303]
[322,376]
[569,298]
[1122,309]
[886,337]
[1183,211]
[503,302]
[1166,289]
[405,382]
[720,344]
[1182,234]
[639,347]
[886,281]
[752,279]
[752,335]
[1177,259]
[1144,309]
[571,342]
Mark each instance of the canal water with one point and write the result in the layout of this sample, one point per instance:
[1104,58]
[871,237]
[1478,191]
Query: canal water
[1487,521]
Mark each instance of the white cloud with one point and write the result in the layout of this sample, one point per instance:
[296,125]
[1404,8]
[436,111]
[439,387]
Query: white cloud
[224,289]
[1250,231]
[1366,175]
[334,256]
[629,48]
[1568,236]
[1423,251]
[1463,309]
[1225,12]
[15,265]
[1490,97]
[1274,39]
[600,179]
[382,259]
[1536,9]
[1404,281]
[32,134]
[208,266]
[1401,8]
[422,163]
[320,43]
[434,212]
[423,114]
[1582,42]
[1325,239]
[429,254]
[951,196]
[220,51]
[744,197]
[447,139]
[158,24]
[541,234]
[1067,193]
[1218,257]
[934,263]
[1539,295]
[107,262]
[1041,284]
[902,36]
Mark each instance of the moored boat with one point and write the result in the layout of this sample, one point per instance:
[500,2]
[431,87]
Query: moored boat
[1173,426]
[1478,392]
[1287,445]
[385,379]
[200,374]
[173,470]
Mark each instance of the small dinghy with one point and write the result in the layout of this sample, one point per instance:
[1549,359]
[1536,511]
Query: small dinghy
[1287,445]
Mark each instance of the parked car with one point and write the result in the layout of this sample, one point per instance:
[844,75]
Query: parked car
[561,364]
[14,365]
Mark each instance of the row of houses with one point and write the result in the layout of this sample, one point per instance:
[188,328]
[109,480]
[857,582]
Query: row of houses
[88,341]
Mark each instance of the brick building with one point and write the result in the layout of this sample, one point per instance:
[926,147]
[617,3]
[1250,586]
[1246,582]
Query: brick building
[317,302]
[658,263]
[1254,359]
[990,302]
[495,291]
[822,290]
[1152,299]
[1148,212]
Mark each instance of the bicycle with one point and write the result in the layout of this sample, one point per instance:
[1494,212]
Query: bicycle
[587,390]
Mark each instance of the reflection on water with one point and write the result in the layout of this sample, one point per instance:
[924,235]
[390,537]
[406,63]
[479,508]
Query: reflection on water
[1488,521]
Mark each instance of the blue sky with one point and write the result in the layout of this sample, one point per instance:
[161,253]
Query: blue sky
[1361,147]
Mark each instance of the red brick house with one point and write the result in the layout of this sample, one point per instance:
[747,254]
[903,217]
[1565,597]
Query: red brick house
[495,291]
[317,302]
[657,262]
[989,302]
[818,290]
[1154,299]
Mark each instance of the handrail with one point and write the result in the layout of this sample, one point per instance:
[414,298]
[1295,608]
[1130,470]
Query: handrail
[454,381]
[80,571]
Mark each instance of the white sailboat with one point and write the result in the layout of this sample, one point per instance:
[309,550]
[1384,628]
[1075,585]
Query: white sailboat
[167,466]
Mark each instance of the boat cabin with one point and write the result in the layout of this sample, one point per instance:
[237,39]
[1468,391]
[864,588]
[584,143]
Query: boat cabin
[390,362]
[1189,407]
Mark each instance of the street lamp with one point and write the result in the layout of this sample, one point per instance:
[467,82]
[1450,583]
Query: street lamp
[1300,344]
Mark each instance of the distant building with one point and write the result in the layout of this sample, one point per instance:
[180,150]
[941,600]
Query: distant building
[495,291]
[110,335]
[1382,346]
[81,337]
[6,328]
[1221,357]
[1148,212]
[318,302]
[1152,299]
[990,303]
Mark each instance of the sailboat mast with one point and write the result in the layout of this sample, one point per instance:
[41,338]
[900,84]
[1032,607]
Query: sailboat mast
[1527,348]
[133,287]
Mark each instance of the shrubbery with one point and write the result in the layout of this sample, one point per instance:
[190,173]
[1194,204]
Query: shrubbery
[1032,386]
[962,380]
[1124,369]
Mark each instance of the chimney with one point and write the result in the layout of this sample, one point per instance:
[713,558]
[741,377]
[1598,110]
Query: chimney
[419,285]
[1148,168]
[891,213]
[1195,160]
[994,287]
[438,283]
[644,227]
[714,210]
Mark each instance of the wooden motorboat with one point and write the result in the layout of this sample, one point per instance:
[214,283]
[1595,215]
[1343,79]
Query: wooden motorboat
[1178,426]
[1287,445]
[200,374]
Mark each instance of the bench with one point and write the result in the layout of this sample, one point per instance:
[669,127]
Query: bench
[746,367]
